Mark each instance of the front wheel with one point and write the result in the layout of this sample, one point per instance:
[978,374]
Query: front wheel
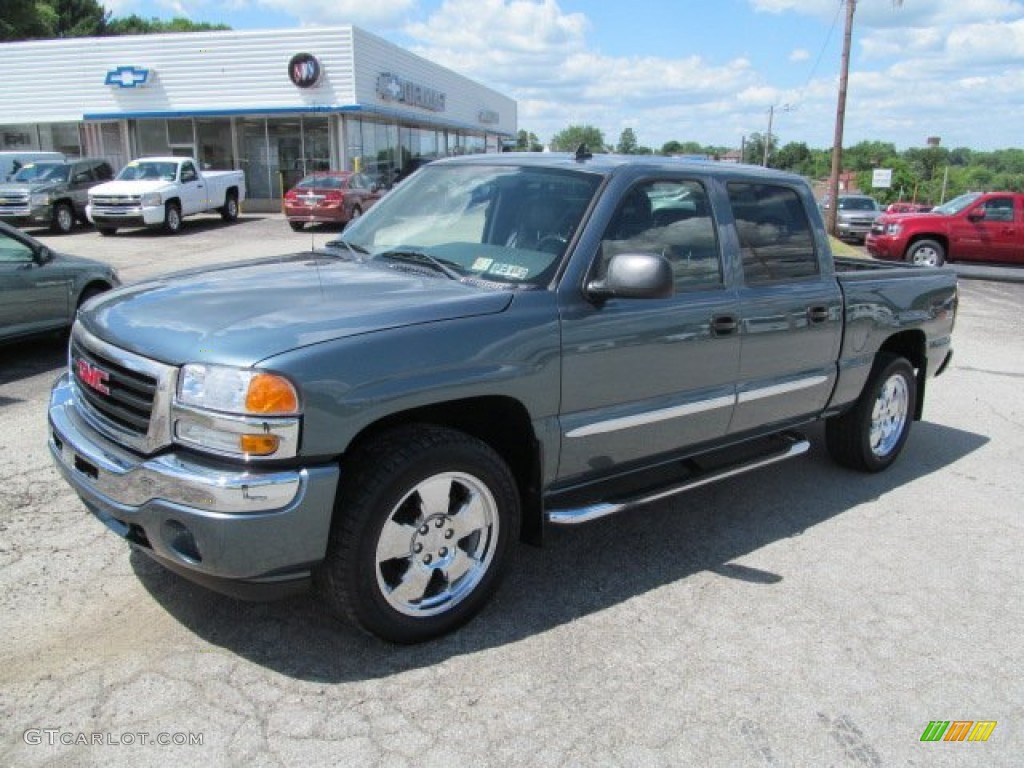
[296,225]
[107,231]
[423,528]
[870,436]
[172,218]
[927,253]
[63,219]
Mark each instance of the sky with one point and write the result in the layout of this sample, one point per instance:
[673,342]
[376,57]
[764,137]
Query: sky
[695,70]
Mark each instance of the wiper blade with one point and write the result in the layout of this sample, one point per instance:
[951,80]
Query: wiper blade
[353,248]
[425,259]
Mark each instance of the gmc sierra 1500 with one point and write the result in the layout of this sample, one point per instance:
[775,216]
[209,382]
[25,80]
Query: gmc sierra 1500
[504,342]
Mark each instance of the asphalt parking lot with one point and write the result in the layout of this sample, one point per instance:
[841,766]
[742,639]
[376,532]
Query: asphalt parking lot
[803,615]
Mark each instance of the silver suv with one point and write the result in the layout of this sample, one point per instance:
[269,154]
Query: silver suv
[51,193]
[855,216]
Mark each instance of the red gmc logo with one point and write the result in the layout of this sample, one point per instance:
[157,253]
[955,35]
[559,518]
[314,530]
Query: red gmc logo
[92,376]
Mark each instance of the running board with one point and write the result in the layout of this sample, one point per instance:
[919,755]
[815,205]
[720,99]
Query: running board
[792,445]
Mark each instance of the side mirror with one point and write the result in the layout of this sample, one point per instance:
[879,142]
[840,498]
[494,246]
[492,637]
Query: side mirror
[978,214]
[635,276]
[43,256]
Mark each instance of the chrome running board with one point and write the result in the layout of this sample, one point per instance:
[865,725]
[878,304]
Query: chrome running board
[792,445]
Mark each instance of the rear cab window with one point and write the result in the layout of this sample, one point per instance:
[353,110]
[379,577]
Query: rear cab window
[776,239]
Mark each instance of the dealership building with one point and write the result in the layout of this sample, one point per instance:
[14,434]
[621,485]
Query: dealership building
[274,103]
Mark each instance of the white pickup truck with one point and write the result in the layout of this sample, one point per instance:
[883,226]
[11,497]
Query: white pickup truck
[160,192]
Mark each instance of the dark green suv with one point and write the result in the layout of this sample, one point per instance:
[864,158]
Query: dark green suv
[52,194]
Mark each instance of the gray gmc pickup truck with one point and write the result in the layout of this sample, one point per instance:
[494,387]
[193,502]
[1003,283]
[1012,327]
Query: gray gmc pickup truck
[502,343]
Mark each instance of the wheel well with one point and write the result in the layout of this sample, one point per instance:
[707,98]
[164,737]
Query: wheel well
[501,422]
[912,346]
[940,239]
[91,289]
[231,192]
[174,200]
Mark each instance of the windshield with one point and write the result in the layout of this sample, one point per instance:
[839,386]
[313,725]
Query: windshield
[148,169]
[43,172]
[857,204]
[957,204]
[482,224]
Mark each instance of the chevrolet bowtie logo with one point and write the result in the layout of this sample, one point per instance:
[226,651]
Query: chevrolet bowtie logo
[127,77]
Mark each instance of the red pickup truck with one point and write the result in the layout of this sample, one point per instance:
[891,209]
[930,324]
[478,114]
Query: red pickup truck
[972,227]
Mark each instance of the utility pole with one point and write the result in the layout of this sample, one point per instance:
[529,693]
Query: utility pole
[768,138]
[837,142]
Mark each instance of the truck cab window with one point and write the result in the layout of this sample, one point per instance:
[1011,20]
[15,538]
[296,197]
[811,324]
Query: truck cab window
[775,236]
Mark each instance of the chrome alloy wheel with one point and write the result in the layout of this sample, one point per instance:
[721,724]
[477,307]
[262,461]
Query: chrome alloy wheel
[437,544]
[889,415]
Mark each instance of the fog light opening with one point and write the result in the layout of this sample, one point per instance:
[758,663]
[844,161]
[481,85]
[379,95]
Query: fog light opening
[180,539]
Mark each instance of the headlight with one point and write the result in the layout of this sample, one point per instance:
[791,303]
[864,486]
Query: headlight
[893,229]
[151,199]
[236,390]
[236,412]
[40,198]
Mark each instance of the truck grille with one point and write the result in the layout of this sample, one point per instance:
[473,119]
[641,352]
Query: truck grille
[116,201]
[13,204]
[121,394]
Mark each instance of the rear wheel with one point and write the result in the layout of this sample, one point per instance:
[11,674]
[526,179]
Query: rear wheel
[172,218]
[422,531]
[229,211]
[107,231]
[929,253]
[63,218]
[296,225]
[870,436]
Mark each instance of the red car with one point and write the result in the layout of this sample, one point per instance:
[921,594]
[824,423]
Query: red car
[903,207]
[329,197]
[972,227]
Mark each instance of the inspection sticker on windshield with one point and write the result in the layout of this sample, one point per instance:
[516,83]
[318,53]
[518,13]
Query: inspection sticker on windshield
[509,270]
[481,264]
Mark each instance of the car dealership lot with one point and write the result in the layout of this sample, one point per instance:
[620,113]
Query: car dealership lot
[804,615]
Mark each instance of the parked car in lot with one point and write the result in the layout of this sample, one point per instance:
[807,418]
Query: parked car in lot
[904,207]
[855,216]
[973,227]
[329,197]
[52,194]
[502,343]
[40,289]
[161,192]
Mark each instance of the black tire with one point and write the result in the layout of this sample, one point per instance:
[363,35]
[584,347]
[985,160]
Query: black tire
[229,211]
[296,225]
[172,218]
[870,435]
[63,220]
[422,532]
[89,292]
[107,231]
[929,253]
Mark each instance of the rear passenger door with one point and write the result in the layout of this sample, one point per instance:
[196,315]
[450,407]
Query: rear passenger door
[790,313]
[646,377]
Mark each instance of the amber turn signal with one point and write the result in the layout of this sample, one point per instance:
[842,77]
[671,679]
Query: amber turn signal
[269,393]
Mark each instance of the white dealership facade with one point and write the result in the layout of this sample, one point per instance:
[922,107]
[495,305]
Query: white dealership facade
[274,103]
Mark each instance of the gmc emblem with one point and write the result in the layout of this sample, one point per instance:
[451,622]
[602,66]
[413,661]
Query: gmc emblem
[92,376]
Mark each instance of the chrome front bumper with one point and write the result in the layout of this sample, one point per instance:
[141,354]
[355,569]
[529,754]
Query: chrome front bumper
[206,519]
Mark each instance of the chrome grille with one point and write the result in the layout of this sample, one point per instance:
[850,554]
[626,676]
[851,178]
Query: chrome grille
[123,395]
[128,397]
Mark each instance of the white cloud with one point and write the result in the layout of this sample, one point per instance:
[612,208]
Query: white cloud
[800,54]
[381,14]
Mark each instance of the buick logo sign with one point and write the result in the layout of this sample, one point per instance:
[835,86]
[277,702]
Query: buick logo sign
[304,70]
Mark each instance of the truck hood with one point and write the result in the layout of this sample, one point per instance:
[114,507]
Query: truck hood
[138,187]
[239,314]
[21,187]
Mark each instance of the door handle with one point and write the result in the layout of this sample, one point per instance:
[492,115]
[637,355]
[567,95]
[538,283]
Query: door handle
[724,325]
[817,314]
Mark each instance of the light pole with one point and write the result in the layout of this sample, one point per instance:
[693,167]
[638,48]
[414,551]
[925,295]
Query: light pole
[768,138]
[837,141]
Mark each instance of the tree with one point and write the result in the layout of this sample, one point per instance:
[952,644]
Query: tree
[47,19]
[627,142]
[136,25]
[528,142]
[570,138]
